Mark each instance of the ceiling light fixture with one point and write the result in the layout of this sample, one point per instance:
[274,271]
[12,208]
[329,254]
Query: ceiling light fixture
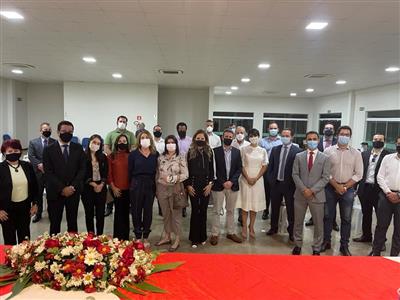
[316,25]
[228,92]
[11,15]
[293,94]
[264,66]
[235,88]
[117,75]
[89,59]
[309,90]
[245,79]
[392,69]
[17,71]
[341,82]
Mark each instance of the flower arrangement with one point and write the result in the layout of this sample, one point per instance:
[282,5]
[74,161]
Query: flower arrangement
[82,262]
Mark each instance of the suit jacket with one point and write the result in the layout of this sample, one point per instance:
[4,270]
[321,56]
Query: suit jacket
[321,143]
[365,157]
[316,179]
[103,168]
[58,173]
[6,185]
[35,151]
[273,166]
[220,169]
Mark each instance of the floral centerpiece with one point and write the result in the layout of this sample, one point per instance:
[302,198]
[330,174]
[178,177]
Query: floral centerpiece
[82,262]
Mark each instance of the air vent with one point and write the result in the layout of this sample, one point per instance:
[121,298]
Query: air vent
[170,72]
[318,76]
[18,65]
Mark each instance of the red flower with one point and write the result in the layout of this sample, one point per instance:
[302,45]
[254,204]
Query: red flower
[69,266]
[52,243]
[36,278]
[122,271]
[139,246]
[70,243]
[79,270]
[47,275]
[127,261]
[49,256]
[103,249]
[90,288]
[91,242]
[81,257]
[128,252]
[98,271]
[55,285]
[141,274]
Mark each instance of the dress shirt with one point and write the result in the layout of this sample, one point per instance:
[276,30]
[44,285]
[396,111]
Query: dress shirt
[172,168]
[184,144]
[372,166]
[214,140]
[43,140]
[267,143]
[160,145]
[62,147]
[282,161]
[228,159]
[237,145]
[389,173]
[315,153]
[328,141]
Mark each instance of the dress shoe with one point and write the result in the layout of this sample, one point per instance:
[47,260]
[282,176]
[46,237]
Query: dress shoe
[234,237]
[173,249]
[335,226]
[310,222]
[373,254]
[296,250]
[36,218]
[363,239]
[272,232]
[383,248]
[326,246]
[184,214]
[214,240]
[265,215]
[316,253]
[164,242]
[108,212]
[344,251]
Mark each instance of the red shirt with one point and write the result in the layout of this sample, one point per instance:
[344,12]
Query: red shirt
[118,170]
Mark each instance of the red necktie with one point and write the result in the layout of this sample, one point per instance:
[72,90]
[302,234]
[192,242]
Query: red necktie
[310,161]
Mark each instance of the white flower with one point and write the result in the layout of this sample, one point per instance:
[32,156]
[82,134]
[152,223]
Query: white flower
[39,266]
[55,268]
[92,256]
[110,289]
[39,249]
[60,278]
[67,251]
[74,281]
[88,278]
[133,270]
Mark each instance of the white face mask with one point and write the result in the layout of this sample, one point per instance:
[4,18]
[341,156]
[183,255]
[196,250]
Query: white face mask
[121,125]
[254,140]
[240,137]
[145,143]
[171,147]
[209,129]
[94,147]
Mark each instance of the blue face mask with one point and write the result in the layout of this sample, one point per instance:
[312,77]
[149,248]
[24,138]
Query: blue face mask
[312,145]
[286,140]
[343,140]
[273,132]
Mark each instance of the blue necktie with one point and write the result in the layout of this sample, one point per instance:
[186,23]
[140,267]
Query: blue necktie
[65,153]
[45,143]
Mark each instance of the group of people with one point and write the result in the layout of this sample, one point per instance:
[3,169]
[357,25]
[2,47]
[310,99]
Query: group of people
[238,170]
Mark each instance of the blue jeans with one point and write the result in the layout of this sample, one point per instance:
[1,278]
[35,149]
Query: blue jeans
[346,208]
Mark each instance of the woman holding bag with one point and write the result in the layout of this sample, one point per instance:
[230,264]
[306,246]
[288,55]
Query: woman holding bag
[172,171]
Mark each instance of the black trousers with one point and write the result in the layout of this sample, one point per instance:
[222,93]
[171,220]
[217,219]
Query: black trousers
[142,199]
[17,224]
[386,210]
[121,216]
[56,209]
[198,218]
[92,202]
[369,200]
[41,185]
[278,191]
[267,190]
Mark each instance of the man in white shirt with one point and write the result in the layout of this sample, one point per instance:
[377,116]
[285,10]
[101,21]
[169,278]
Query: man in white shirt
[239,142]
[158,140]
[213,139]
[389,203]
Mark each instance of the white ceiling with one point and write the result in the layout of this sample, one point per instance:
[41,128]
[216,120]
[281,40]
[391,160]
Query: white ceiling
[214,42]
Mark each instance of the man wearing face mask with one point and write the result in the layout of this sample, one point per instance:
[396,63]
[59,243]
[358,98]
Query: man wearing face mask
[184,141]
[214,140]
[368,188]
[346,171]
[239,141]
[35,154]
[269,142]
[64,166]
[158,140]
[328,139]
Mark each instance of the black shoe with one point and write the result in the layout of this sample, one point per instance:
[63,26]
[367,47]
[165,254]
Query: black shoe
[36,218]
[310,222]
[184,214]
[291,237]
[265,215]
[108,212]
[296,251]
[335,227]
[363,239]
[345,251]
[272,232]
[326,246]
[373,254]
[316,253]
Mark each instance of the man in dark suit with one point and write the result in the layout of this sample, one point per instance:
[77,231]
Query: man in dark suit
[35,154]
[228,167]
[64,166]
[368,188]
[279,175]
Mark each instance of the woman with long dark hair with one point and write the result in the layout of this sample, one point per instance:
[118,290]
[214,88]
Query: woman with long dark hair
[95,189]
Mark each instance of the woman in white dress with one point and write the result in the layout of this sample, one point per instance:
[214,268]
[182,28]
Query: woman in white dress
[251,193]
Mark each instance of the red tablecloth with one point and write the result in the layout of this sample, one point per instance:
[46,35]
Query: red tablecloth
[220,276]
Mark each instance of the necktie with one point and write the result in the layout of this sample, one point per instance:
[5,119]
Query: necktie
[374,157]
[65,153]
[310,161]
[45,143]
[283,164]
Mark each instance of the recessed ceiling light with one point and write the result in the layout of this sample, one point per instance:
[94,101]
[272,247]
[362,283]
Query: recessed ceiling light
[245,79]
[17,71]
[341,82]
[11,15]
[235,88]
[316,25]
[309,90]
[89,59]
[228,92]
[293,94]
[392,69]
[264,66]
[117,75]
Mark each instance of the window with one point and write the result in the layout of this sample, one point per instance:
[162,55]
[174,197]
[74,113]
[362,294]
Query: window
[333,118]
[223,119]
[386,122]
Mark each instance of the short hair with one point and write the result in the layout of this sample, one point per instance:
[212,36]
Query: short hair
[272,122]
[67,123]
[384,137]
[171,137]
[288,129]
[329,123]
[209,121]
[254,132]
[124,117]
[364,143]
[228,130]
[180,124]
[12,143]
[44,123]
[312,132]
[345,127]
[237,127]
[156,126]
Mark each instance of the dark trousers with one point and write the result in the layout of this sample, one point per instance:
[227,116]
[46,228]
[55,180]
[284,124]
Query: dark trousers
[267,190]
[386,210]
[346,208]
[17,224]
[279,191]
[92,202]
[198,218]
[142,199]
[41,184]
[121,216]
[56,210]
[369,200]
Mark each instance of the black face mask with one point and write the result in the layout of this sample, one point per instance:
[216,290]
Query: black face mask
[182,134]
[328,132]
[122,146]
[398,149]
[66,137]
[200,143]
[46,134]
[13,156]
[157,134]
[227,142]
[378,144]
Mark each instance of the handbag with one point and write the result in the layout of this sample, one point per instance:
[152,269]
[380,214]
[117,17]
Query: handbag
[180,196]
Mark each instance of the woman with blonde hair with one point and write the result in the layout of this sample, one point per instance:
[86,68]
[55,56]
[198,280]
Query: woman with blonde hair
[142,167]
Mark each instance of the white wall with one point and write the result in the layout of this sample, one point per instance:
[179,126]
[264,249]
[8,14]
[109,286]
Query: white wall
[94,107]
[7,106]
[182,105]
[21,112]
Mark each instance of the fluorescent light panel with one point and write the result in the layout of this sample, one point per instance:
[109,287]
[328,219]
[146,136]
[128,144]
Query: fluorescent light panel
[89,59]
[117,75]
[17,71]
[245,79]
[316,25]
[11,15]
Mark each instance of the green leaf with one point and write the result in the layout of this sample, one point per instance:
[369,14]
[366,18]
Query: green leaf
[145,286]
[119,295]
[132,290]
[166,267]
[4,270]
[19,286]
[4,283]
